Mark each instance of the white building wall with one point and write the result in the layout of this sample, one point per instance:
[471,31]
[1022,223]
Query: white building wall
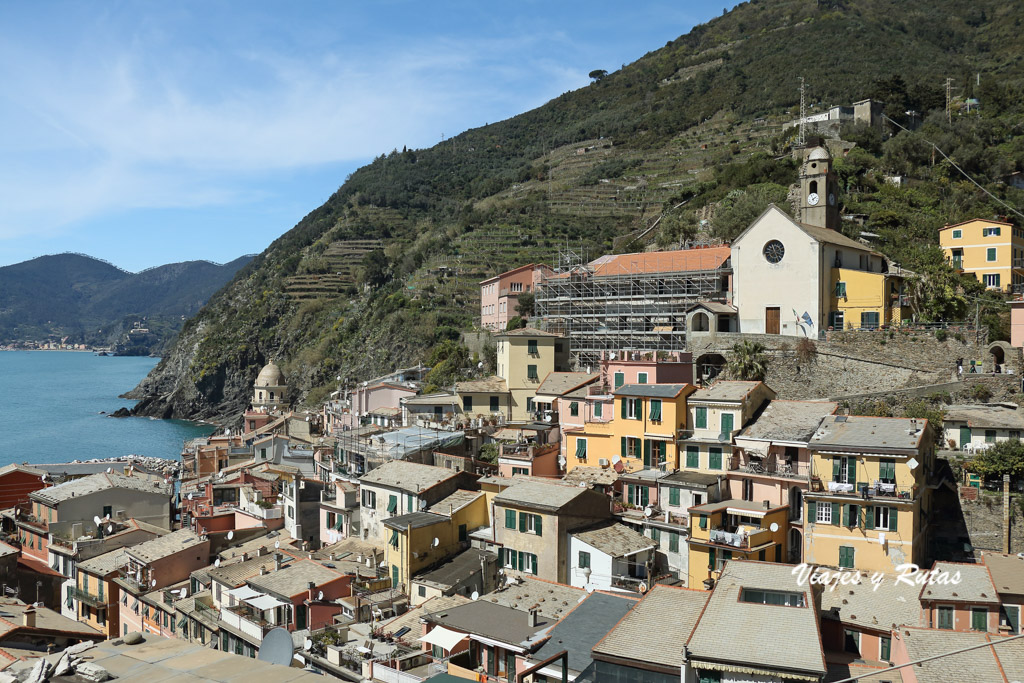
[600,566]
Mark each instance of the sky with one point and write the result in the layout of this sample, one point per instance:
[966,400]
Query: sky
[146,133]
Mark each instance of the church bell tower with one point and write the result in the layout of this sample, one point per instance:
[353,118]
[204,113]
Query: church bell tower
[819,189]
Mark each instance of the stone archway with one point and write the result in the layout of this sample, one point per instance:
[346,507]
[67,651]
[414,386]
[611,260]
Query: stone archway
[796,546]
[709,366]
[700,322]
[1001,358]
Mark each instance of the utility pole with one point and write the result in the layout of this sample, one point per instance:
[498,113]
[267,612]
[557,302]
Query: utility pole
[949,100]
[801,137]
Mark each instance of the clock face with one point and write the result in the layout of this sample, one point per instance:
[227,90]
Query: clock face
[774,251]
[831,198]
[812,199]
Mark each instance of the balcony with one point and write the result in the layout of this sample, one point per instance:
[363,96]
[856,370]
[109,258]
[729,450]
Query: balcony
[246,620]
[865,490]
[87,598]
[771,466]
[740,539]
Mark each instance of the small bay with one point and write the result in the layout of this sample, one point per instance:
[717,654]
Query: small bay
[55,407]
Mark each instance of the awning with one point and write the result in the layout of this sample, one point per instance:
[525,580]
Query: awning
[243,593]
[443,638]
[265,602]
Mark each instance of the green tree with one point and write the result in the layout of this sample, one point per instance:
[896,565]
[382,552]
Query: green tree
[749,361]
[1005,457]
[740,207]
[376,268]
[526,304]
[515,323]
[446,362]
[597,74]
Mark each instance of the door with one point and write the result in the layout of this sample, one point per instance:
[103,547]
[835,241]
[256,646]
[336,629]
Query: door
[771,320]
[965,437]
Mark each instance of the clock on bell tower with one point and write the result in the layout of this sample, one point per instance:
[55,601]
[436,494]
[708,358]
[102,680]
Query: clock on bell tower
[819,190]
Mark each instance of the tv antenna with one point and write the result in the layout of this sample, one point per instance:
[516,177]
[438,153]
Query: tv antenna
[801,139]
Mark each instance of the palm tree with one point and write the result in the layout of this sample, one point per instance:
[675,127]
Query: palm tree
[749,361]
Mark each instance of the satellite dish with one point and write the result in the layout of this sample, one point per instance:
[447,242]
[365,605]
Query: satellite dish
[382,565]
[183,592]
[590,587]
[300,659]
[774,527]
[152,582]
[912,463]
[501,571]
[110,528]
[231,534]
[276,647]
[648,511]
[643,587]
[307,644]
[189,496]
[277,544]
[480,365]
[475,595]
[320,595]
[96,520]
[436,542]
[110,470]
[216,563]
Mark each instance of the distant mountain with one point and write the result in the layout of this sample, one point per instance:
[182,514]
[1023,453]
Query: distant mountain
[94,302]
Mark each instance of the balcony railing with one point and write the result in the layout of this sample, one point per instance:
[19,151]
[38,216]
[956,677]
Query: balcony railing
[876,489]
[746,539]
[245,620]
[87,598]
[770,467]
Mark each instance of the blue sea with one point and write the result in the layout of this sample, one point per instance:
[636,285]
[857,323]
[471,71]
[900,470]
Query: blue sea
[52,402]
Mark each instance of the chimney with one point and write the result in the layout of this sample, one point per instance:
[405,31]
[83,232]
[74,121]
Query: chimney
[263,571]
[28,618]
[309,589]
[767,504]
[245,557]
[277,561]
[532,618]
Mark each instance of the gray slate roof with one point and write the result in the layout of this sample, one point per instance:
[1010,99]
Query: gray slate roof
[1007,572]
[294,578]
[975,585]
[789,421]
[460,567]
[414,520]
[650,390]
[551,599]
[504,624]
[617,540]
[558,383]
[861,433]
[687,477]
[724,390]
[774,637]
[657,627]
[995,416]
[580,630]
[539,494]
[876,607]
[172,543]
[407,476]
[455,502]
[104,564]
[974,665]
[94,483]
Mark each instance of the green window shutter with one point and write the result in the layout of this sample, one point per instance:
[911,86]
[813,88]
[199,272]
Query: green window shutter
[408,503]
[812,511]
[946,617]
[394,538]
[656,534]
[846,515]
[574,409]
[639,409]
[715,458]
[965,436]
[533,564]
[630,491]
[869,517]
[584,559]
[835,514]
[703,521]
[655,409]
[538,525]
[726,555]
[700,417]
[711,558]
[598,409]
[623,408]
[885,651]
[620,379]
[851,472]
[1011,613]
[837,464]
[625,449]
[392,503]
[510,519]
[726,423]
[894,515]
[979,620]
[692,456]
[645,496]
[647,453]
[673,542]
[673,496]
[522,522]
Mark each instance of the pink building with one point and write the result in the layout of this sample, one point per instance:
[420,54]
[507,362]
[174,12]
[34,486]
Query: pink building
[339,511]
[1017,323]
[647,368]
[499,295]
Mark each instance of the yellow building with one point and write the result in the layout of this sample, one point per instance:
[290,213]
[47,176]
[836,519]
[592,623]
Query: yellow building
[420,540]
[642,434]
[733,530]
[868,504]
[868,300]
[992,251]
[716,414]
[96,595]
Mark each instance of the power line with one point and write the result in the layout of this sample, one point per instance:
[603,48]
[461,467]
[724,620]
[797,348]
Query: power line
[962,171]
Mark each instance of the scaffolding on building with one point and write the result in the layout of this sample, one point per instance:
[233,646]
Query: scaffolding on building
[629,302]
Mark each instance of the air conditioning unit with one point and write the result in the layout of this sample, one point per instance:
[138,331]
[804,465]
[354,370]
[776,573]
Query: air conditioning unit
[603,462]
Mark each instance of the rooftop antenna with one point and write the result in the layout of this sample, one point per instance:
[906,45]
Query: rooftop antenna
[801,139]
[949,100]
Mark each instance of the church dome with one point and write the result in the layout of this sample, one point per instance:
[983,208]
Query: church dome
[270,376]
[819,154]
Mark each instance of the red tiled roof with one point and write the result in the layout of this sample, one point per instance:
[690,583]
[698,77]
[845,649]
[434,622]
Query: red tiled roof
[659,262]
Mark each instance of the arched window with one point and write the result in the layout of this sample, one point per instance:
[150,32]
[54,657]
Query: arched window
[813,187]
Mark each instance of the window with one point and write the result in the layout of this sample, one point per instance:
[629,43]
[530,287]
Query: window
[851,641]
[620,379]
[706,676]
[884,518]
[531,373]
[824,514]
[979,619]
[692,457]
[957,234]
[531,347]
[673,496]
[1015,434]
[394,539]
[574,409]
[945,617]
[841,290]
[703,519]
[369,499]
[885,648]
[771,597]
[836,320]
[673,542]
[1011,617]
[990,232]
[467,404]
[851,516]
[641,378]
[748,489]
[584,559]
[392,503]
[714,458]
[726,424]
[598,409]
[581,449]
[520,470]
[634,408]
[659,453]
[422,591]
[510,519]
[530,524]
[990,436]
[655,410]
[846,556]
[494,404]
[887,471]
[992,280]
[700,420]
[637,495]
[869,320]
[656,534]
[630,447]
[990,254]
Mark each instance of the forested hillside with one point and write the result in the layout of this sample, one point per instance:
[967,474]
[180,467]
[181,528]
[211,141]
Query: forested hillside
[93,302]
[686,142]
